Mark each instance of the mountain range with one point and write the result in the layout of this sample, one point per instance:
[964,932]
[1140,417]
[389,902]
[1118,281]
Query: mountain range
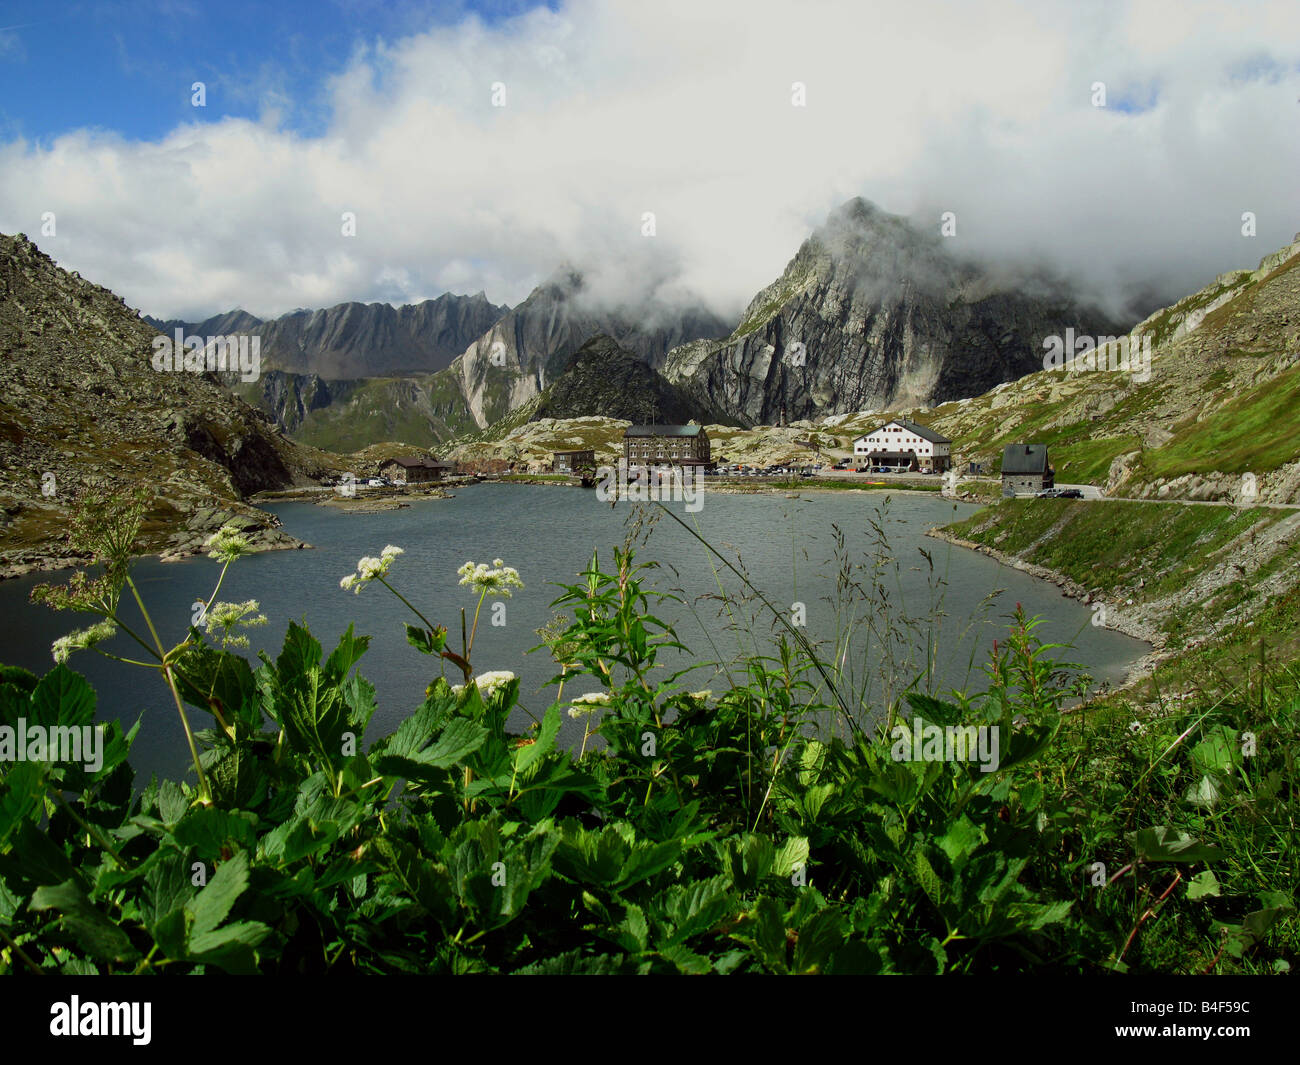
[82,402]
[870,312]
[1210,416]
[354,340]
[873,312]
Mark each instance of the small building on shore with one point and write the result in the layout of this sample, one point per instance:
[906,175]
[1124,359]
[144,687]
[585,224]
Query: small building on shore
[1025,469]
[573,461]
[415,470]
[666,445]
[901,444]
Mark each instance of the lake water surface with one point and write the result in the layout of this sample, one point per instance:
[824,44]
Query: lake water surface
[787,546]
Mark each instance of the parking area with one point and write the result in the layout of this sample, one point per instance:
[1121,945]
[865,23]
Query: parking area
[839,472]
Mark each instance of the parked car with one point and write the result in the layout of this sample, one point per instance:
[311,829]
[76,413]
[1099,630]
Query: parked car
[1048,493]
[1069,493]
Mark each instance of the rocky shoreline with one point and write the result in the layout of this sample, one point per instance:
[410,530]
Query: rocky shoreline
[263,532]
[1128,624]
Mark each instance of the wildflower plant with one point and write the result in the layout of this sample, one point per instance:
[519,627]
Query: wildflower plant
[106,525]
[222,620]
[684,845]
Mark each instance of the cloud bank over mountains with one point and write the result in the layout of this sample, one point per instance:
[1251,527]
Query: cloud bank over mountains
[614,111]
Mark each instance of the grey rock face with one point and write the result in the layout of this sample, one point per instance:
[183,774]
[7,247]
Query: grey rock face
[354,340]
[872,313]
[522,353]
[602,379]
[83,405]
[289,397]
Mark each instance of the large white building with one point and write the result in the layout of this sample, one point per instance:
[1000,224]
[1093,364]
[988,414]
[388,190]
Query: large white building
[904,444]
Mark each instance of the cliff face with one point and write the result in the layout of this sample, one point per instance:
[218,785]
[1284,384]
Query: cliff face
[522,353]
[353,374]
[348,415]
[354,340]
[602,379]
[82,403]
[872,313]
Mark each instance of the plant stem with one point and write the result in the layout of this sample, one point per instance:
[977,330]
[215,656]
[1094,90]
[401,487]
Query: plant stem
[22,954]
[204,795]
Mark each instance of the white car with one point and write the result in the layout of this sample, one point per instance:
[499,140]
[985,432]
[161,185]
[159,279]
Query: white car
[375,482]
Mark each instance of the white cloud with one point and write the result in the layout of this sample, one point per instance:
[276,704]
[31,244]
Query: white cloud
[684,109]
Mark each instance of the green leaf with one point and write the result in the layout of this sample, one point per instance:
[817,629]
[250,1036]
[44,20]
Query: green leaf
[1165,844]
[763,929]
[229,947]
[527,755]
[21,791]
[927,878]
[634,932]
[685,960]
[299,653]
[429,642]
[935,711]
[1031,796]
[574,963]
[345,655]
[1033,916]
[420,727]
[169,884]
[95,933]
[1203,884]
[698,907]
[793,854]
[961,840]
[62,698]
[749,858]
[172,802]
[460,738]
[206,830]
[211,906]
[1205,792]
[219,681]
[818,938]
[815,798]
[34,858]
[1254,927]
[1218,753]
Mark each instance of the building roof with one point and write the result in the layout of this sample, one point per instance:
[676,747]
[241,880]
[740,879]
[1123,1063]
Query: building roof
[922,431]
[419,463]
[1024,458]
[580,451]
[663,430]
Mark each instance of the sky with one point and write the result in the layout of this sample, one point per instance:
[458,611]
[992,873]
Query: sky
[391,150]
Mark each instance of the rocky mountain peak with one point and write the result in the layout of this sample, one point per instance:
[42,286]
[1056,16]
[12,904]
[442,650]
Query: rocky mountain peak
[872,312]
[82,404]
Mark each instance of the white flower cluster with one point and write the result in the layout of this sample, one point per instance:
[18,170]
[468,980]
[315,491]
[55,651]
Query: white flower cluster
[82,639]
[488,683]
[585,705]
[369,569]
[221,618]
[227,544]
[496,579]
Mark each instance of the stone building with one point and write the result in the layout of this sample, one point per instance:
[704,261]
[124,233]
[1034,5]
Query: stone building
[1025,469]
[666,445]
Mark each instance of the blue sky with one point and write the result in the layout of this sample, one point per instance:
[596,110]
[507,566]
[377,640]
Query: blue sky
[128,66]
